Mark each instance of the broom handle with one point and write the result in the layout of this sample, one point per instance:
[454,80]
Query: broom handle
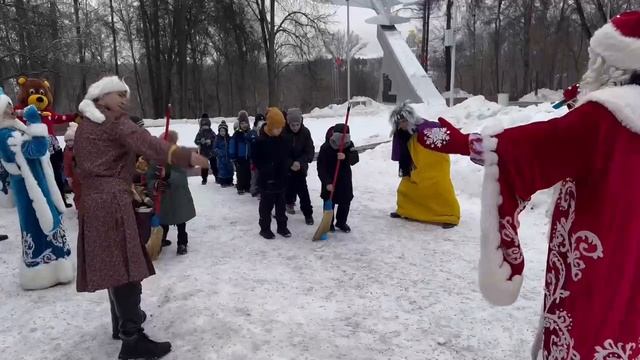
[340,149]
[165,137]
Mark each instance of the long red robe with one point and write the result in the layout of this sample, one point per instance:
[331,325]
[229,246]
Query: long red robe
[591,300]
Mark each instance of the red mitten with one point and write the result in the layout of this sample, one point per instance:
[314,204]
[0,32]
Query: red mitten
[570,95]
[445,138]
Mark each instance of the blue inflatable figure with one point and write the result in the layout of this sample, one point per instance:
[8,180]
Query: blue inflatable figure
[24,152]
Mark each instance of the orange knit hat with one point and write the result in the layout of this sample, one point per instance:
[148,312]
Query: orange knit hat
[275,119]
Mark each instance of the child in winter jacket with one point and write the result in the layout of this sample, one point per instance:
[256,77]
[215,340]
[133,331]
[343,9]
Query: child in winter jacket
[239,151]
[69,163]
[205,141]
[302,153]
[258,122]
[221,148]
[271,156]
[327,161]
[176,207]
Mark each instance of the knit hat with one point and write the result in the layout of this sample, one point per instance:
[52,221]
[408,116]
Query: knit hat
[618,41]
[107,84]
[275,119]
[243,116]
[223,125]
[70,135]
[294,116]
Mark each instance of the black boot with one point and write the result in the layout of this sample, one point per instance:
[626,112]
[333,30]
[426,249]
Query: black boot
[267,234]
[3,237]
[308,220]
[284,232]
[115,335]
[139,346]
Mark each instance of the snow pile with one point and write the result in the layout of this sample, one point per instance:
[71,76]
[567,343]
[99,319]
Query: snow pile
[544,95]
[475,113]
[362,106]
[458,93]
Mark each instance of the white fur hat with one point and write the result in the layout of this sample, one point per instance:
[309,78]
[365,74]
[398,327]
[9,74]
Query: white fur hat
[71,132]
[5,102]
[107,84]
[618,41]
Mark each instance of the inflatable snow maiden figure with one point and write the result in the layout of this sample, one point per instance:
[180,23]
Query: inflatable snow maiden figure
[591,283]
[24,150]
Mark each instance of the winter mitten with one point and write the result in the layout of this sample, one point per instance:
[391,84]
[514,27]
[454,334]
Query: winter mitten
[444,138]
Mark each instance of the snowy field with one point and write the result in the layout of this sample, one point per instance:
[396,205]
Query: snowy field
[391,289]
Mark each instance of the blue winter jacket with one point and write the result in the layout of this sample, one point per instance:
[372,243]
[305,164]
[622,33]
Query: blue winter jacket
[240,146]
[225,167]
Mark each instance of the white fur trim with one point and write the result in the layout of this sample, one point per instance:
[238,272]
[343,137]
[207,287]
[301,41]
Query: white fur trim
[38,130]
[622,101]
[5,102]
[13,124]
[494,271]
[51,183]
[70,134]
[618,50]
[107,84]
[11,168]
[88,109]
[61,271]
[43,213]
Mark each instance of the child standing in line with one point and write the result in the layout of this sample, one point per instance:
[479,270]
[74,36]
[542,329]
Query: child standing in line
[205,141]
[239,151]
[221,145]
[327,160]
[271,156]
[258,122]
[176,207]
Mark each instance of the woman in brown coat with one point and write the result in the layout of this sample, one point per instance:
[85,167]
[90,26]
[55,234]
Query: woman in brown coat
[110,253]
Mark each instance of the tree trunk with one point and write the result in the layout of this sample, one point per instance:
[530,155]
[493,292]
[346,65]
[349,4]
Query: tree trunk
[115,42]
[81,60]
[526,49]
[583,19]
[423,47]
[557,44]
[447,53]
[496,44]
[21,14]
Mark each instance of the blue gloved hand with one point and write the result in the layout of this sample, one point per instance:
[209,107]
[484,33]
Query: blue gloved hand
[32,115]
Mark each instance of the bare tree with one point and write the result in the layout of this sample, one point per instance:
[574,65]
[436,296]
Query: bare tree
[288,29]
[337,45]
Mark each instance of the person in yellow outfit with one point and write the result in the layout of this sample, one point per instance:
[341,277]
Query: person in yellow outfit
[425,192]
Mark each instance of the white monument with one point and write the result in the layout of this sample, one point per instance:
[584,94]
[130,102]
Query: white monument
[408,78]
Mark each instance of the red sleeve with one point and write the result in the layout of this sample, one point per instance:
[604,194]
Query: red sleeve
[58,119]
[519,162]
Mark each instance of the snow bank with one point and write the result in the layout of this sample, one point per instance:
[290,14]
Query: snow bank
[544,95]
[458,93]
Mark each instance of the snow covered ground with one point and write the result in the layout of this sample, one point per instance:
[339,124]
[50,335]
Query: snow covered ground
[544,95]
[391,289]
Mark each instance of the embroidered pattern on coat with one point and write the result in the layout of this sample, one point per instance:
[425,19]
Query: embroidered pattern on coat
[566,252]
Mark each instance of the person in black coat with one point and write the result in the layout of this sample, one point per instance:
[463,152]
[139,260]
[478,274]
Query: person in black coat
[204,140]
[327,160]
[271,156]
[302,153]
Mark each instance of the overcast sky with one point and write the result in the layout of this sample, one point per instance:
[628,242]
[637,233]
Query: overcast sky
[366,31]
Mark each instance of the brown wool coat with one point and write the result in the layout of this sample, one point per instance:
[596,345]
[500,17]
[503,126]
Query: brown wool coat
[110,252]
